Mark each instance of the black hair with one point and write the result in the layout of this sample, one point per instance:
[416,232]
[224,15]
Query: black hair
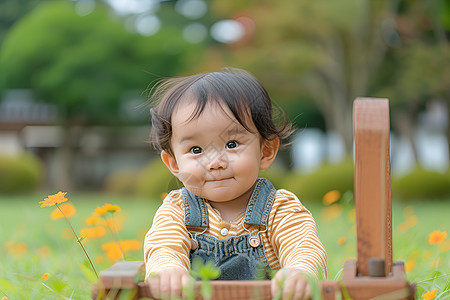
[240,91]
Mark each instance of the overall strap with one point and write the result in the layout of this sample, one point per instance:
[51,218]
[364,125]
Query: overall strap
[195,211]
[260,203]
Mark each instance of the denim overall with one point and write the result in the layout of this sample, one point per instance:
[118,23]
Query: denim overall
[240,257]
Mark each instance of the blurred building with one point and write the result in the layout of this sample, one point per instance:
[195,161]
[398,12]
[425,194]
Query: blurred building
[27,125]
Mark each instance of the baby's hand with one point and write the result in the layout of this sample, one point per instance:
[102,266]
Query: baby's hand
[290,284]
[168,283]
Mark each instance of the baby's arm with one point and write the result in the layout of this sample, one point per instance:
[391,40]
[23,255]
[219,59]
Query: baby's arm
[293,233]
[166,251]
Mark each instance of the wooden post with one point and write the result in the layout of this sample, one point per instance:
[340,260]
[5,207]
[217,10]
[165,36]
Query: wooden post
[372,183]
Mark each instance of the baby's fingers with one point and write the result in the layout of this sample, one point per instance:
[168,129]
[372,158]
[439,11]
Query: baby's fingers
[153,284]
[277,283]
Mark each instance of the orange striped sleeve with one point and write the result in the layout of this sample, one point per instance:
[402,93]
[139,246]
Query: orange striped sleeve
[167,243]
[293,235]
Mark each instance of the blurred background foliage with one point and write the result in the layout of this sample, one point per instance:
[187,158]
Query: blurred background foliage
[89,57]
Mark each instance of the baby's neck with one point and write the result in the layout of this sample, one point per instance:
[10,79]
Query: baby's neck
[229,212]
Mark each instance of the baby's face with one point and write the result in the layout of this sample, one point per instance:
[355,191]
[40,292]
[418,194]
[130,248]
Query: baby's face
[216,158]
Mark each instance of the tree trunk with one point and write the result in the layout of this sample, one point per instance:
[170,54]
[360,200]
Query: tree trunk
[404,123]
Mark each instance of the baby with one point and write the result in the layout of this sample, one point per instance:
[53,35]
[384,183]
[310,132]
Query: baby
[215,132]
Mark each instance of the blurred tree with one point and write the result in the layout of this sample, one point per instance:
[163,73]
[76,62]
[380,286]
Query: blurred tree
[85,64]
[11,11]
[422,72]
[333,52]
[322,50]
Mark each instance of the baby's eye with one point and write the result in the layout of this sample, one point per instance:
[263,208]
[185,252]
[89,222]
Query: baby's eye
[232,145]
[196,150]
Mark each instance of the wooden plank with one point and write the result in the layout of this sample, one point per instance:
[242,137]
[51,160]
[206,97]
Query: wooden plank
[372,182]
[393,286]
[124,274]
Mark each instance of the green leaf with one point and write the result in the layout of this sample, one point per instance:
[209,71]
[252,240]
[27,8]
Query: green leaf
[88,272]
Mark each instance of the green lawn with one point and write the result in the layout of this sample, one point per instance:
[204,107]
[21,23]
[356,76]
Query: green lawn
[32,244]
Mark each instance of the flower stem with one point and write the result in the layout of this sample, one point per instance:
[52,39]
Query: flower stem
[115,234]
[78,241]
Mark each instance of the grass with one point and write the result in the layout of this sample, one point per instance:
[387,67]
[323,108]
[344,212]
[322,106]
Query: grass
[31,244]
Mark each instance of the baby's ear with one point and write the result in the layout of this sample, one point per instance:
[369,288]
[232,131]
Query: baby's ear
[269,150]
[170,162]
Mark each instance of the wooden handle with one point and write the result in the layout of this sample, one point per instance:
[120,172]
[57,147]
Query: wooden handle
[372,183]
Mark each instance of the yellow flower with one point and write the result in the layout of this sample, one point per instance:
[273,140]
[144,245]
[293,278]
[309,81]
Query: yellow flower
[93,220]
[341,240]
[331,212]
[436,237]
[99,259]
[103,210]
[414,255]
[429,295]
[54,199]
[94,232]
[43,251]
[436,262]
[407,211]
[113,251]
[444,246]
[409,265]
[409,223]
[130,245]
[67,209]
[331,197]
[20,248]
[113,226]
[351,215]
[45,276]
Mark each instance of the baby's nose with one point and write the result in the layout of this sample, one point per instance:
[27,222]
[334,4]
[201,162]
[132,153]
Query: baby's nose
[218,160]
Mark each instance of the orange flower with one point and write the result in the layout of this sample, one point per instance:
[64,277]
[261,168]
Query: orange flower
[341,240]
[444,246]
[94,232]
[54,199]
[113,226]
[45,276]
[331,212]
[4,298]
[436,262]
[67,209]
[107,208]
[130,245]
[409,223]
[93,220]
[331,197]
[43,251]
[20,248]
[99,259]
[429,295]
[113,251]
[436,237]
[409,265]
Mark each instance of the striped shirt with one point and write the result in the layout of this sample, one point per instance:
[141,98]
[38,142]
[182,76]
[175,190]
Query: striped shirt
[290,240]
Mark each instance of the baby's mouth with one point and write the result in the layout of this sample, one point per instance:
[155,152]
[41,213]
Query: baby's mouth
[218,179]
